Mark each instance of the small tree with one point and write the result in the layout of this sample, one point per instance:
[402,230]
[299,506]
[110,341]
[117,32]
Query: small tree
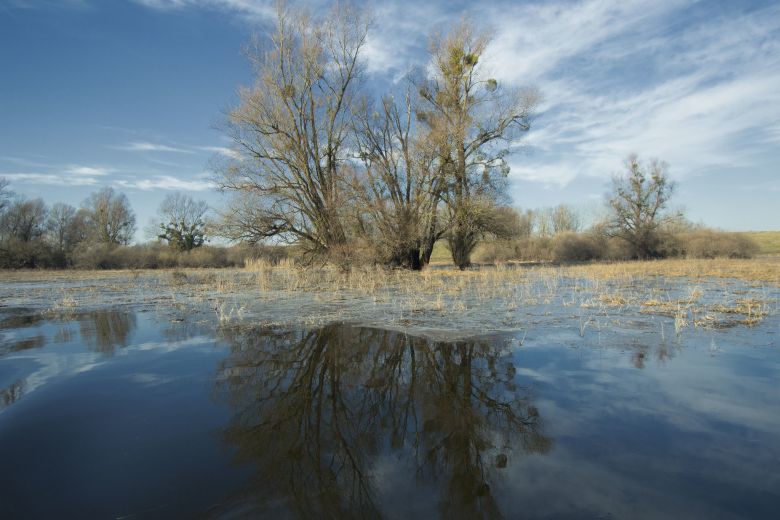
[183,225]
[110,218]
[637,203]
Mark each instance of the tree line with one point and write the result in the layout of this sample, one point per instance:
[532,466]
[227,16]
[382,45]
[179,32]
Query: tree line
[33,234]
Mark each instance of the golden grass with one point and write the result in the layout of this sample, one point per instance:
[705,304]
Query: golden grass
[757,269]
[671,288]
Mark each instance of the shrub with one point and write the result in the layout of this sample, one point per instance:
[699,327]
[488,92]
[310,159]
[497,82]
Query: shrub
[708,243]
[578,247]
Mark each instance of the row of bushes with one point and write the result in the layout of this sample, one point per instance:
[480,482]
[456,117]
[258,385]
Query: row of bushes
[564,247]
[144,256]
[587,246]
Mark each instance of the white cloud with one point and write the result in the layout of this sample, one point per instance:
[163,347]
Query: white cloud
[222,150]
[71,175]
[88,171]
[50,178]
[252,9]
[143,146]
[616,79]
[166,182]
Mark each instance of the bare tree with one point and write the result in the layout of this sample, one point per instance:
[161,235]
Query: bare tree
[59,225]
[183,225]
[290,131]
[398,189]
[24,220]
[471,120]
[110,217]
[637,202]
[558,219]
[5,194]
[565,219]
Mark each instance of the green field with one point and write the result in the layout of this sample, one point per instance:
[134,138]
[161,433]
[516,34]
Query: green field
[768,241]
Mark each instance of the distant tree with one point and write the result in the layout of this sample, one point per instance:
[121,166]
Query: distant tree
[638,202]
[22,226]
[290,131]
[24,220]
[525,222]
[5,194]
[60,224]
[183,225]
[564,219]
[80,227]
[110,218]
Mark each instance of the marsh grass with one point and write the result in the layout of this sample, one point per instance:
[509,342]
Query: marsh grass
[699,293]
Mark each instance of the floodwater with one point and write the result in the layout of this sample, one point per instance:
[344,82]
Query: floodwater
[120,413]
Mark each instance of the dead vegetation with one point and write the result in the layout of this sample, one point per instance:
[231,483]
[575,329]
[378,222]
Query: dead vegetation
[692,294]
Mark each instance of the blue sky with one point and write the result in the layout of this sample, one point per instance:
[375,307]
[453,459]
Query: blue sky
[130,94]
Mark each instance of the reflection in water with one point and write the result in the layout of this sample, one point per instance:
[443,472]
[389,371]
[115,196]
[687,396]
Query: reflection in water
[101,331]
[104,331]
[316,411]
[11,394]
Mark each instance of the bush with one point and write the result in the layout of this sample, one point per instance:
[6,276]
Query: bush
[708,243]
[578,247]
[160,256]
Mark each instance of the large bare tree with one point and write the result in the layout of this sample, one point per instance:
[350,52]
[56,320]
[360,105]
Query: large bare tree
[638,204]
[290,130]
[472,121]
[399,188]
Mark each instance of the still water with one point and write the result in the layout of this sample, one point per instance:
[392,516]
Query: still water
[121,414]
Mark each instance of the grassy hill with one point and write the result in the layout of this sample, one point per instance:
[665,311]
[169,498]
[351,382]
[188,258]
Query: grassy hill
[768,241]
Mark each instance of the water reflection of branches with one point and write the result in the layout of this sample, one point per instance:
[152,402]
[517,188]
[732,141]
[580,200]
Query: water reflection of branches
[11,394]
[314,410]
[104,331]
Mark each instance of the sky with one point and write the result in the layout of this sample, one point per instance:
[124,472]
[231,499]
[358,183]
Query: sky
[132,94]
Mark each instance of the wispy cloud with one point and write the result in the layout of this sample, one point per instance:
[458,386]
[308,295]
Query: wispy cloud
[222,150]
[625,78]
[49,178]
[165,182]
[88,171]
[70,175]
[144,146]
[253,9]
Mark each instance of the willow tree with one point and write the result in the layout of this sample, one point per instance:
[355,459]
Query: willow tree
[472,121]
[638,204]
[398,189]
[290,129]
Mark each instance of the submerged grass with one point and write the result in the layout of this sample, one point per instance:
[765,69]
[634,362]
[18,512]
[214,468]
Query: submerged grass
[700,293]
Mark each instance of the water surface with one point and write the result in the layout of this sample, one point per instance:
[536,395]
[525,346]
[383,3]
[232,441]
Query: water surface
[129,414]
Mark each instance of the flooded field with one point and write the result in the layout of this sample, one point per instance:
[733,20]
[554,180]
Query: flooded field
[503,393]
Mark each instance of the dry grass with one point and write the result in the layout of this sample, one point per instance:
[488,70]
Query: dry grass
[739,292]
[759,269]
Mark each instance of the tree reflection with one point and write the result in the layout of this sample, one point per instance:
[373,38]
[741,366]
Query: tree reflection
[11,394]
[104,331]
[315,410]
